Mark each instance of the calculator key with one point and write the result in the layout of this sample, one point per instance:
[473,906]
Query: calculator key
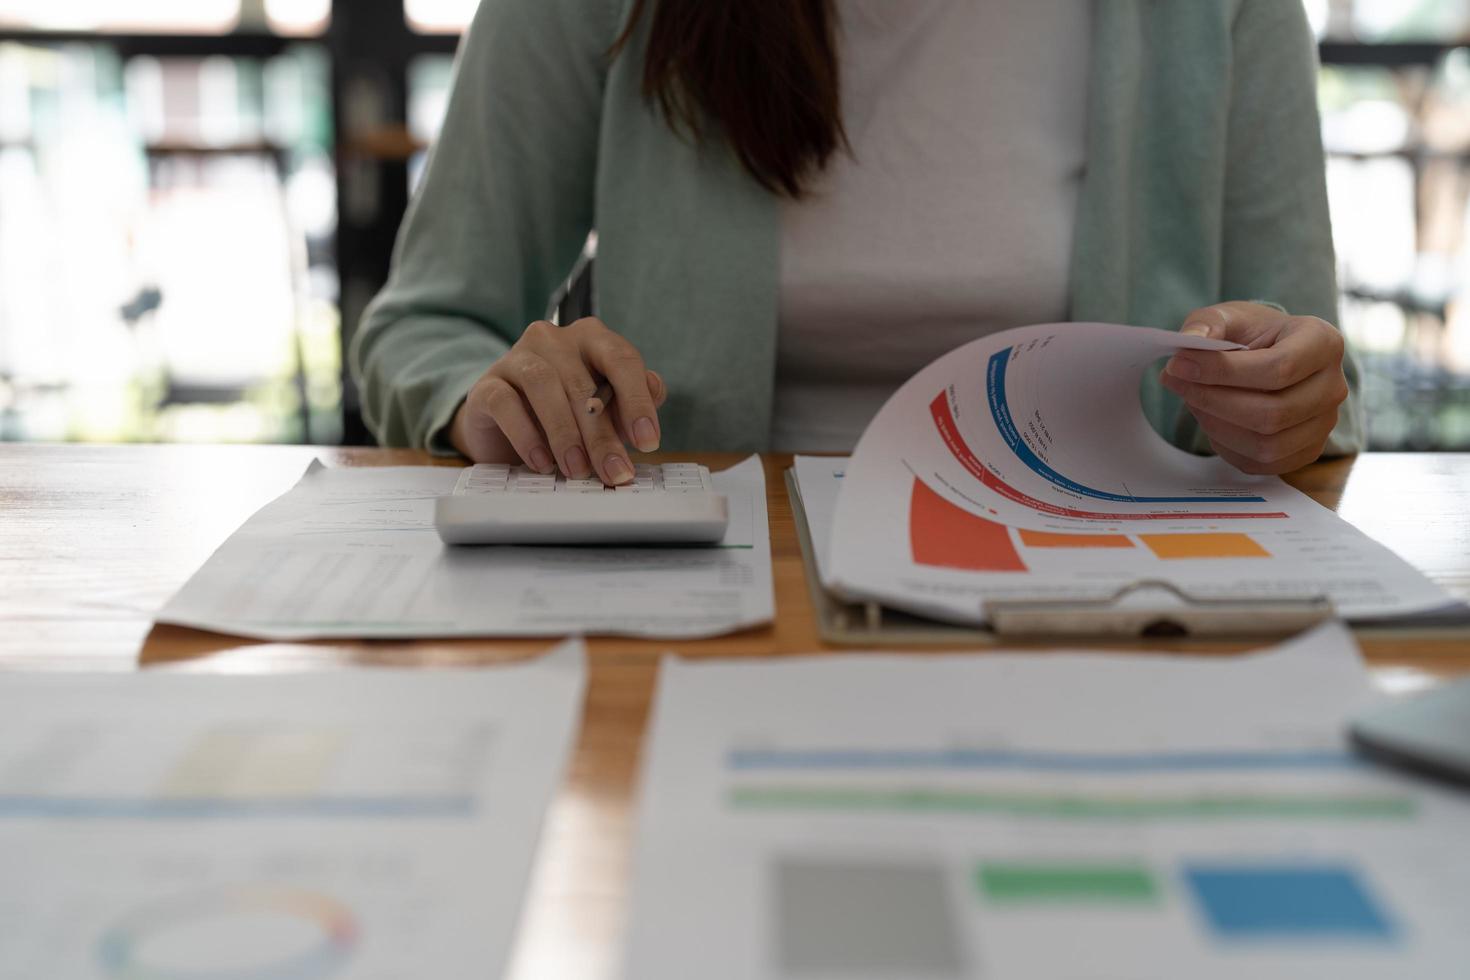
[500,478]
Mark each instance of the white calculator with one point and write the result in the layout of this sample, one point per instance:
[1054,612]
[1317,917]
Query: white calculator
[674,503]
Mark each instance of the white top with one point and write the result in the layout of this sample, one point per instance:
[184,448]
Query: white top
[953,218]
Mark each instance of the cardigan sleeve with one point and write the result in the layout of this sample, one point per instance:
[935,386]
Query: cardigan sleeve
[503,211]
[1277,245]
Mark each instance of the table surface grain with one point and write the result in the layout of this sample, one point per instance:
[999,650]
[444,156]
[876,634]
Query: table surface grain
[94,539]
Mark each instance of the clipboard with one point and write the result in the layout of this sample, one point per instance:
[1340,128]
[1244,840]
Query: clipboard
[1141,611]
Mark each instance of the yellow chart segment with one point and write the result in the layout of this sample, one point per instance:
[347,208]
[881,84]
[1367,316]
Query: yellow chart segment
[1176,546]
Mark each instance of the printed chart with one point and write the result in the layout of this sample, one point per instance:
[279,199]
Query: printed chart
[284,935]
[955,817]
[234,770]
[351,825]
[1021,467]
[945,535]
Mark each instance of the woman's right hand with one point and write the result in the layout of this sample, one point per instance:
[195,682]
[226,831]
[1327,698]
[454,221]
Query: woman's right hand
[531,406]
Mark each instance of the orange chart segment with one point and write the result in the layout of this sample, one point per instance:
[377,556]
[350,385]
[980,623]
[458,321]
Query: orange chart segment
[1051,539]
[945,536]
[1172,546]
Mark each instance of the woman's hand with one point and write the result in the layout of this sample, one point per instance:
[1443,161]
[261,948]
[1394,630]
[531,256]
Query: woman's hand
[1269,409]
[531,405]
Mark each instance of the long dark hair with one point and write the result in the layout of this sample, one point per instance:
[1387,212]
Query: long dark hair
[761,74]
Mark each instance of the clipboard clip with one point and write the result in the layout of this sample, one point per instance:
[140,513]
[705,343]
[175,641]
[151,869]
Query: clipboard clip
[1156,608]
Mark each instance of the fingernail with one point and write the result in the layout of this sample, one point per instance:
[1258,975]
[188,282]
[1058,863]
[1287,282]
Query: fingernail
[1183,367]
[618,470]
[645,436]
[1196,330]
[541,460]
[579,467]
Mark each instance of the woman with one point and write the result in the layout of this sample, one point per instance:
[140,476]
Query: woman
[800,202]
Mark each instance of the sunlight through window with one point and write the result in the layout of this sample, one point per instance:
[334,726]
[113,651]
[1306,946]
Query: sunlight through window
[200,16]
[298,18]
[440,16]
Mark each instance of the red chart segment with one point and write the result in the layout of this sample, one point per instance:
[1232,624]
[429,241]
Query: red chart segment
[945,536]
[950,433]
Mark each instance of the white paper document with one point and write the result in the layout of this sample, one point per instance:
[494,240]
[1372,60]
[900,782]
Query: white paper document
[353,553]
[1021,466]
[363,825]
[1040,817]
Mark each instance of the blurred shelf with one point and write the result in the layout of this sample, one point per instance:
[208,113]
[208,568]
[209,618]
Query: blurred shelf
[1408,300]
[389,143]
[243,44]
[1391,55]
[1421,154]
[238,44]
[189,148]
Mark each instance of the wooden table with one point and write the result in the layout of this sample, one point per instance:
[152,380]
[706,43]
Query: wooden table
[94,539]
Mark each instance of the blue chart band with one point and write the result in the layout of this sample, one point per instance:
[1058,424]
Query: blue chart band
[1000,411]
[206,808]
[1274,903]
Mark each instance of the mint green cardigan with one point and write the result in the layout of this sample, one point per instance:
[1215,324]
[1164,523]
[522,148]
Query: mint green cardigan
[1204,183]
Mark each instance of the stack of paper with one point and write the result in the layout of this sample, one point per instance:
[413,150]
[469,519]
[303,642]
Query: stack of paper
[1054,816]
[350,825]
[353,553]
[1021,467]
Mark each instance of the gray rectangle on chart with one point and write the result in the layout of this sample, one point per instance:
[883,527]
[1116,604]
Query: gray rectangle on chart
[865,920]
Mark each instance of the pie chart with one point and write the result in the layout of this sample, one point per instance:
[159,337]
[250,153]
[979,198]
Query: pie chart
[254,933]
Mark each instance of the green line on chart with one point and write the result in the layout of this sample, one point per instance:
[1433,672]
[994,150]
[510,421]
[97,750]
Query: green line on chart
[1013,884]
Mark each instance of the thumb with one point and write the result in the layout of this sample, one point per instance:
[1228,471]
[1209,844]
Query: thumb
[1239,323]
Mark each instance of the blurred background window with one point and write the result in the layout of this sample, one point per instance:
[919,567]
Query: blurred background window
[1395,97]
[213,16]
[298,17]
[199,197]
[440,16]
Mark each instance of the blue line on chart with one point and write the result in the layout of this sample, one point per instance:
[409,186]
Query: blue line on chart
[1000,411]
[212,808]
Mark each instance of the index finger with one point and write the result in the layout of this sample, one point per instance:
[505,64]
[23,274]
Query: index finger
[1297,354]
[620,363]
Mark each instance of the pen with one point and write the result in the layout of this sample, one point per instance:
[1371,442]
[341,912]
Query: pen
[600,401]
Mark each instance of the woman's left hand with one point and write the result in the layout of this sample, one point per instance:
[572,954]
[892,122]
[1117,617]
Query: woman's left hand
[1266,410]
